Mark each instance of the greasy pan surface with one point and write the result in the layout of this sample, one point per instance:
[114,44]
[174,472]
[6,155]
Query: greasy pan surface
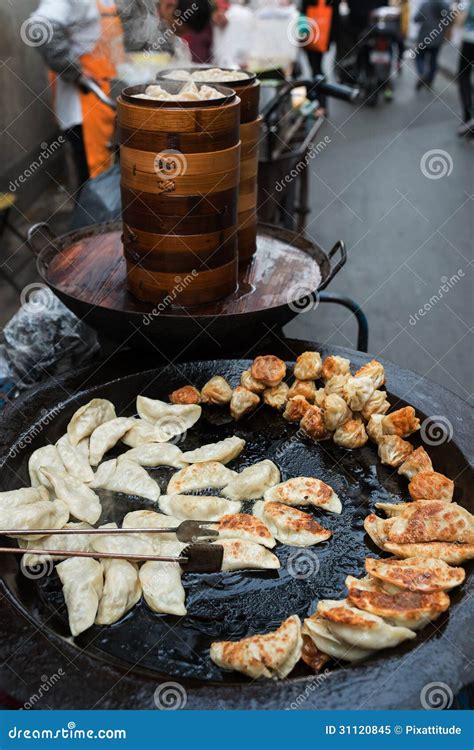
[224,605]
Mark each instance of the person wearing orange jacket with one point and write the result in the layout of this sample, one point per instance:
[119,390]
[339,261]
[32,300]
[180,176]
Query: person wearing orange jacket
[81,39]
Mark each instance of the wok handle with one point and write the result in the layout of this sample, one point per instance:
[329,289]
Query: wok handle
[333,270]
[43,229]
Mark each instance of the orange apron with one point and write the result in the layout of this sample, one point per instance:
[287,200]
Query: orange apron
[98,120]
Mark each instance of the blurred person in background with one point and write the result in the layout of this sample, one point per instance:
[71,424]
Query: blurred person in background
[84,40]
[466,62]
[322,29]
[194,26]
[431,35]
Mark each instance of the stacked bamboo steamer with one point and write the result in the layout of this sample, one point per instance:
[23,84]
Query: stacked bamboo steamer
[180,166]
[247,88]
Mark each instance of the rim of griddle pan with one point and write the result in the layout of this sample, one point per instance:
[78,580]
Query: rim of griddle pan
[173,87]
[250,77]
[63,241]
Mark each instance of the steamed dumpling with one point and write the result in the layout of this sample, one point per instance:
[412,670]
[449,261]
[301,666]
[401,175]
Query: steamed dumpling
[272,655]
[149,519]
[69,542]
[143,432]
[75,458]
[127,477]
[155,454]
[25,496]
[85,420]
[31,508]
[106,436]
[289,525]
[201,476]
[240,554]
[81,500]
[247,527]
[46,457]
[197,507]
[252,482]
[121,590]
[173,419]
[128,544]
[223,451]
[162,587]
[82,581]
[305,491]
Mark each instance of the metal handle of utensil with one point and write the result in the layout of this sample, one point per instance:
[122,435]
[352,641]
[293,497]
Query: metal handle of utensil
[90,85]
[41,228]
[333,270]
[94,555]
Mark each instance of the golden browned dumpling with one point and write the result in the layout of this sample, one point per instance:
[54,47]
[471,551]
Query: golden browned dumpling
[415,573]
[216,391]
[429,485]
[243,402]
[374,427]
[393,451]
[451,552]
[290,525]
[357,392]
[335,411]
[424,521]
[304,388]
[268,369]
[336,384]
[247,527]
[276,396]
[319,397]
[416,462]
[295,408]
[402,422]
[248,381]
[351,434]
[378,403]
[374,370]
[334,365]
[188,394]
[312,423]
[308,366]
[312,656]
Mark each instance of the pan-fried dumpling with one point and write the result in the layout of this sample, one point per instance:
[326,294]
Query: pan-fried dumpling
[431,521]
[289,525]
[25,496]
[308,366]
[252,482]
[374,527]
[223,451]
[26,513]
[121,590]
[127,477]
[132,544]
[423,574]
[351,434]
[75,458]
[334,365]
[88,417]
[187,394]
[143,432]
[295,409]
[359,628]
[392,509]
[149,519]
[305,491]
[155,454]
[106,436]
[306,388]
[240,555]
[46,457]
[402,422]
[247,527]
[335,412]
[393,450]
[82,581]
[416,462]
[312,423]
[451,552]
[317,629]
[82,502]
[162,587]
[312,656]
[336,384]
[172,419]
[374,370]
[268,369]
[272,655]
[277,396]
[374,428]
[248,382]
[69,542]
[208,475]
[430,485]
[242,402]
[357,392]
[378,403]
[197,507]
[216,391]
[409,609]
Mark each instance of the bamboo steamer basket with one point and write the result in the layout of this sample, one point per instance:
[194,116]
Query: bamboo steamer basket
[180,168]
[248,90]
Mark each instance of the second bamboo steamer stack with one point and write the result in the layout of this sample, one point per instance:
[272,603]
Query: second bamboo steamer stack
[180,167]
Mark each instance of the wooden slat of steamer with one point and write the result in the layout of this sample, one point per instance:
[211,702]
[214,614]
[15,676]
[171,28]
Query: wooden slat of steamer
[247,205]
[179,120]
[188,143]
[166,163]
[168,260]
[158,205]
[182,184]
[180,225]
[249,96]
[192,289]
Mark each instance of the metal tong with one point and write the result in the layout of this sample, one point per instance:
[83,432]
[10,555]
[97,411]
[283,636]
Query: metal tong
[195,558]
